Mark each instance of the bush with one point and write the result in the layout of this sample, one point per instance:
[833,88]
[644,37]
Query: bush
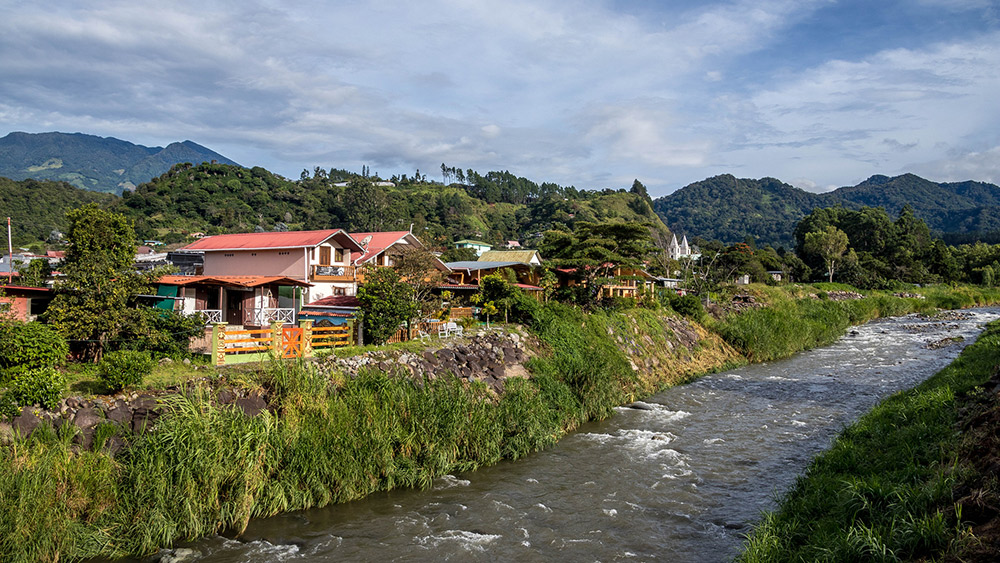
[124,368]
[28,346]
[163,332]
[687,305]
[42,386]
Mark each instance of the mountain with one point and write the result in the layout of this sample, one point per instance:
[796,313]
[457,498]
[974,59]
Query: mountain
[102,164]
[729,209]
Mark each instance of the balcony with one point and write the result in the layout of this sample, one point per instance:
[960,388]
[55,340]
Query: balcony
[267,315]
[211,315]
[332,274]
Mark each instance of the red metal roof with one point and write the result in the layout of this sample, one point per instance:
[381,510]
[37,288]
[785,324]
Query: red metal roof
[237,281]
[377,243]
[24,288]
[260,241]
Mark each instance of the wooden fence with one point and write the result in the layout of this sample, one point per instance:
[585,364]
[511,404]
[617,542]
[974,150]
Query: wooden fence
[275,341]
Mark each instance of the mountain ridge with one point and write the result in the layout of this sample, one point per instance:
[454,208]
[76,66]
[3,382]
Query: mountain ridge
[102,164]
[729,209]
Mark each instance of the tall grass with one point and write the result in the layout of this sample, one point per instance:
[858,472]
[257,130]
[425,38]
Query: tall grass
[205,468]
[883,492]
[791,323]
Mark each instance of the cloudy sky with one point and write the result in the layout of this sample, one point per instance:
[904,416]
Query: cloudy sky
[818,93]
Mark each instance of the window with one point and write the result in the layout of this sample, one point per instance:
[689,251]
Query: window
[324,255]
[339,291]
[229,255]
[340,255]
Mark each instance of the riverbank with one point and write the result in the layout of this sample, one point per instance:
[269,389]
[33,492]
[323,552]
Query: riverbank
[914,479]
[206,466]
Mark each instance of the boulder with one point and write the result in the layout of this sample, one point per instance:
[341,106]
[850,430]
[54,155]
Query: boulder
[87,418]
[26,422]
[251,406]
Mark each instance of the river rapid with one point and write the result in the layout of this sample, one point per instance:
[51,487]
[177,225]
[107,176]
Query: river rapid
[681,478]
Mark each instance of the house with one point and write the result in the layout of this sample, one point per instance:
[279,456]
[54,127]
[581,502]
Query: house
[234,299]
[479,246]
[381,249]
[776,275]
[513,245]
[465,276]
[319,261]
[530,257]
[623,281]
[23,303]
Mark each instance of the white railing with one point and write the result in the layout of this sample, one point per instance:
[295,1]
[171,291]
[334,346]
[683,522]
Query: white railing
[211,315]
[267,315]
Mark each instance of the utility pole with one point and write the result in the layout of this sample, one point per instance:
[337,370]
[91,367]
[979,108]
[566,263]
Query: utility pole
[10,245]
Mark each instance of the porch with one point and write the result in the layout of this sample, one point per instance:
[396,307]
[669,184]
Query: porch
[249,301]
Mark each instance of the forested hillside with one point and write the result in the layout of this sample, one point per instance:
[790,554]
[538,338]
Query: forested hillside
[37,208]
[730,209]
[216,198]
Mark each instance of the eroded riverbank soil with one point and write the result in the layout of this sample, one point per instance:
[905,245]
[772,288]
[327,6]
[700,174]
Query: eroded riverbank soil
[979,496]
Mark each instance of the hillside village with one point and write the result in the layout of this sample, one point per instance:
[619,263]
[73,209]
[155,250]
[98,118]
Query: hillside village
[251,280]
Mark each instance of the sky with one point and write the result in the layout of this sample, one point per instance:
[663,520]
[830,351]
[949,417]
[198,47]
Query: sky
[594,94]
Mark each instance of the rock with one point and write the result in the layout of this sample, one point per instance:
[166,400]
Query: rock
[120,414]
[165,361]
[430,357]
[177,555]
[26,422]
[86,418]
[251,406]
[226,396]
[639,405]
[187,361]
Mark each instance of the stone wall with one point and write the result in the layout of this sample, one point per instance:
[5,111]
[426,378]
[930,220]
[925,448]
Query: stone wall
[490,357]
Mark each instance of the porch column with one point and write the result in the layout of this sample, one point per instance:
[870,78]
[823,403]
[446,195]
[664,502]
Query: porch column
[219,343]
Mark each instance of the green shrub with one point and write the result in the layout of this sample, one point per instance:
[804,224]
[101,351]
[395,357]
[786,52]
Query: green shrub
[29,346]
[42,386]
[124,368]
[687,305]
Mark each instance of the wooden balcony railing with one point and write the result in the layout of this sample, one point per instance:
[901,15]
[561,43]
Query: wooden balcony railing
[332,273]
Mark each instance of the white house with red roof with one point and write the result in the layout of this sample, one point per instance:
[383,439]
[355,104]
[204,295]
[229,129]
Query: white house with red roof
[255,278]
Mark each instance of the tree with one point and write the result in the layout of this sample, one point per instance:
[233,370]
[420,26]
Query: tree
[91,303]
[830,244]
[35,273]
[386,303]
[419,268]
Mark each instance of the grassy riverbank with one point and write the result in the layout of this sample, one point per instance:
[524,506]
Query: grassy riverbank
[206,468]
[884,492]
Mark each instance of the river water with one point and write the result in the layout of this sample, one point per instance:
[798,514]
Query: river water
[681,479]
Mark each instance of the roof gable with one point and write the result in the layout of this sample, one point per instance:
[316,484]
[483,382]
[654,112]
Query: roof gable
[272,240]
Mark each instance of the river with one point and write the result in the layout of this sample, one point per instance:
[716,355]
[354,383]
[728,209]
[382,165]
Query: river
[680,479]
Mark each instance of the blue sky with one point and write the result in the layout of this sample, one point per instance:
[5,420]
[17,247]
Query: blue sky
[817,93]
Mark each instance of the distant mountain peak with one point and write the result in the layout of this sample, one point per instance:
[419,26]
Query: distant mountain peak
[103,164]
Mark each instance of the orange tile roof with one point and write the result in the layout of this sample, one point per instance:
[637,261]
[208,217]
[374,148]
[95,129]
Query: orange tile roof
[260,241]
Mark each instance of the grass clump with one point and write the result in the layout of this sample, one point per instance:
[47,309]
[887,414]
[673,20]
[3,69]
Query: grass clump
[883,492]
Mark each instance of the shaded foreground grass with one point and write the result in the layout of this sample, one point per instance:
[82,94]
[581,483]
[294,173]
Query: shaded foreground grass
[884,490]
